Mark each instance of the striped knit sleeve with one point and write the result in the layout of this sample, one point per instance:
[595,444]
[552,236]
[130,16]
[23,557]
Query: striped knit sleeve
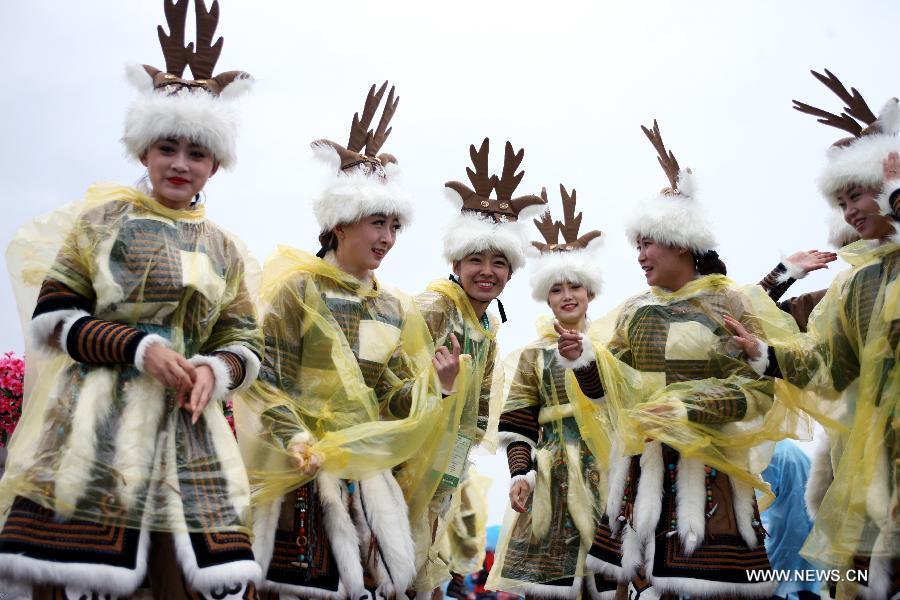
[589,381]
[237,370]
[777,282]
[55,296]
[98,342]
[518,456]
[521,422]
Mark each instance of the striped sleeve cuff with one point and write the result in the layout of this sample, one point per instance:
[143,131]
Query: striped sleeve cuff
[518,457]
[95,341]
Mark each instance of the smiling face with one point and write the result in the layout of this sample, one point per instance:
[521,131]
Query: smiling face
[861,212]
[483,275]
[664,266]
[569,301]
[363,245]
[178,170]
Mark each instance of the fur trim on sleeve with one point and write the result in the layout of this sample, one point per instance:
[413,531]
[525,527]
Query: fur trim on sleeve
[148,341]
[587,357]
[528,478]
[220,374]
[42,326]
[761,363]
[251,365]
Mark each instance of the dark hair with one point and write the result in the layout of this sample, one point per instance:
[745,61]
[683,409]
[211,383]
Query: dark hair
[328,241]
[709,263]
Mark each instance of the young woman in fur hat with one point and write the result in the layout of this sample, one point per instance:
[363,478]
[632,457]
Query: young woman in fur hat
[684,408]
[556,496]
[124,466]
[347,389]
[849,355]
[484,245]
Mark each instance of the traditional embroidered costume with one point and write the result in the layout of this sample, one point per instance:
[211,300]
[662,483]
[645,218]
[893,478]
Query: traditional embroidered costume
[484,223]
[347,370]
[688,415]
[849,356]
[108,480]
[542,552]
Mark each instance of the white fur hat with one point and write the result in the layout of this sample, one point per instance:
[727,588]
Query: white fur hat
[574,260]
[856,159]
[353,194]
[673,219]
[472,232]
[208,120]
[487,222]
[199,109]
[575,266]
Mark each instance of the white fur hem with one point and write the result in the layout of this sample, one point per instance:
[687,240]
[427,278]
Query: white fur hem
[117,581]
[148,341]
[221,374]
[761,362]
[691,503]
[703,588]
[587,356]
[42,326]
[821,475]
[638,541]
[595,565]
[251,365]
[527,478]
[206,579]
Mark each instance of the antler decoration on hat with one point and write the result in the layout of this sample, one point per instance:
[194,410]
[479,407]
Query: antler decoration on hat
[569,227]
[364,144]
[666,159]
[504,207]
[178,56]
[855,112]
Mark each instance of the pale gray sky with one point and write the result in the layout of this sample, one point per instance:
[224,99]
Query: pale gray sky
[569,81]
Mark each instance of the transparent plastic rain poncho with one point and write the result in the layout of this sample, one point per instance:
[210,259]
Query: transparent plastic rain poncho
[672,372]
[463,545]
[549,541]
[851,357]
[347,367]
[471,419]
[107,443]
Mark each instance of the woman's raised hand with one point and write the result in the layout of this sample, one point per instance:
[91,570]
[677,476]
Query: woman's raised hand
[812,260]
[569,343]
[446,363]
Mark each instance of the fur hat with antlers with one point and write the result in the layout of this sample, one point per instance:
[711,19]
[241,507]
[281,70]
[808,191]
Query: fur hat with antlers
[674,217]
[574,260]
[199,109]
[856,159]
[490,223]
[362,181]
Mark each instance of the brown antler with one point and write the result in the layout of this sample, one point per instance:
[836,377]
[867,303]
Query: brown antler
[374,141]
[666,158]
[843,122]
[359,129]
[174,50]
[481,178]
[509,180]
[856,107]
[203,59]
[571,223]
[549,230]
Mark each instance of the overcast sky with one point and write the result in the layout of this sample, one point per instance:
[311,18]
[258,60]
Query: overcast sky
[569,81]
